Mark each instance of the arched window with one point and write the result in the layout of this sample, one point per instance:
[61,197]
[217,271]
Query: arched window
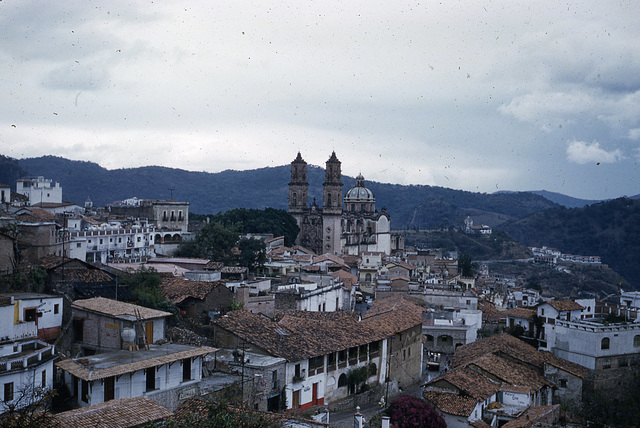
[373,369]
[636,341]
[367,277]
[342,380]
[328,199]
[604,343]
[294,198]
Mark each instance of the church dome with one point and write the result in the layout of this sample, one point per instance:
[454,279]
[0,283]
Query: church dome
[359,193]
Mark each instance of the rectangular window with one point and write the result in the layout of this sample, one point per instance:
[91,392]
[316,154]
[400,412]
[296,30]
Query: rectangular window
[362,350]
[56,308]
[274,379]
[331,361]
[296,372]
[316,365]
[8,392]
[186,369]
[563,383]
[44,378]
[30,314]
[151,378]
[342,359]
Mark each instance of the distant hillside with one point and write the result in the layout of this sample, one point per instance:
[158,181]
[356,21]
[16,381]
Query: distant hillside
[9,171]
[564,200]
[409,206]
[609,229]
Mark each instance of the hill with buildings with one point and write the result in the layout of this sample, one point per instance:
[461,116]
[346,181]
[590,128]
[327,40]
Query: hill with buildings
[609,229]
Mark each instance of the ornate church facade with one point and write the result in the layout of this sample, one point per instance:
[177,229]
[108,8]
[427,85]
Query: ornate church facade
[333,228]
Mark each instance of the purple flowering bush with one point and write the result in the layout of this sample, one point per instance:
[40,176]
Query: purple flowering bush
[410,411]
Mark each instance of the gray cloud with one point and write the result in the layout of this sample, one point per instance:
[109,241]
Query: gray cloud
[466,95]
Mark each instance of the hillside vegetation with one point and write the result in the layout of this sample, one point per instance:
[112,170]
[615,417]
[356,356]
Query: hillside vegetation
[610,230]
[408,206]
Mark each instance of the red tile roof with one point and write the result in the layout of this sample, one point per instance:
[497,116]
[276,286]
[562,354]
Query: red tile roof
[451,403]
[564,305]
[179,289]
[121,413]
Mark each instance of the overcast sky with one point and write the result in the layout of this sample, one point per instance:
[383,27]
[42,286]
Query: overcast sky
[480,96]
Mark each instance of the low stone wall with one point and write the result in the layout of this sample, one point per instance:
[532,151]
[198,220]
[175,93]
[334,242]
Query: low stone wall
[366,398]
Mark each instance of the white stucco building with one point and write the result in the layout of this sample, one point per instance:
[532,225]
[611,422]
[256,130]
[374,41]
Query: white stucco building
[39,190]
[26,362]
[164,373]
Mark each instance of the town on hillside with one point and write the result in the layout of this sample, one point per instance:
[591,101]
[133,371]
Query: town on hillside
[140,313]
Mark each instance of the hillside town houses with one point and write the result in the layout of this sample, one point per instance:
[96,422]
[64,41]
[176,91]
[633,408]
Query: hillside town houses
[344,316]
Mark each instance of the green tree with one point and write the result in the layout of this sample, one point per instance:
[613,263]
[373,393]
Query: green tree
[144,286]
[214,242]
[252,252]
[466,266]
[358,377]
[216,415]
[270,220]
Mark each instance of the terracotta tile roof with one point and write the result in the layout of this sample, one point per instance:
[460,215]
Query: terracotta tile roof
[521,313]
[479,424]
[115,363]
[304,258]
[499,344]
[532,415]
[51,261]
[36,215]
[233,269]
[564,305]
[121,413]
[451,403]
[393,314]
[468,381]
[347,278]
[89,276]
[569,367]
[213,265]
[512,373]
[298,335]
[118,309]
[178,289]
[330,257]
[489,311]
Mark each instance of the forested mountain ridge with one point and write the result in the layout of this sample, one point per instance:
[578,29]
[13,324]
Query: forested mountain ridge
[609,229]
[414,206]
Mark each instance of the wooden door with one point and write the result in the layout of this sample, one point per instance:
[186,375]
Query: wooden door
[148,332]
[296,400]
[314,394]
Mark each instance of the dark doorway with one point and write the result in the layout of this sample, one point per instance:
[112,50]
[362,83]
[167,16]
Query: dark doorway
[109,388]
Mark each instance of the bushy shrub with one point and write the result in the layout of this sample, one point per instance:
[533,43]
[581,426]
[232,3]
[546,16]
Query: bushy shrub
[410,411]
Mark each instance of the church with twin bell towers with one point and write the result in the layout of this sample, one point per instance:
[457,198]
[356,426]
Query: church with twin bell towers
[332,229]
